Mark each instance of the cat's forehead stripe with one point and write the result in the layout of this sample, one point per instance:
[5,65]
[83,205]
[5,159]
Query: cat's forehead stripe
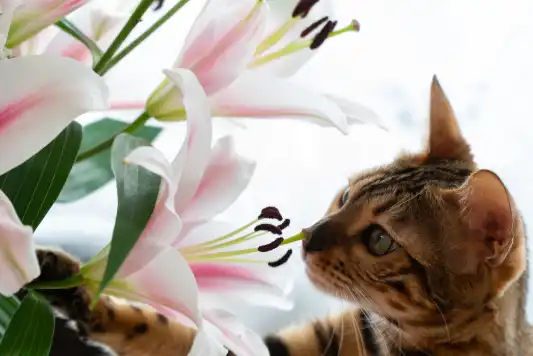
[413,179]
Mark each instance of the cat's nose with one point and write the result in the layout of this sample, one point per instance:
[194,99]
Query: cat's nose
[317,238]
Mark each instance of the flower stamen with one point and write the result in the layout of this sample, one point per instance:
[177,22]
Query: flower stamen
[303,8]
[285,224]
[323,35]
[270,212]
[271,246]
[268,227]
[282,260]
[313,26]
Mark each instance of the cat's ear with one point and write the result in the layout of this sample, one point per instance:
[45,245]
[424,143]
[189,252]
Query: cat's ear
[445,138]
[487,214]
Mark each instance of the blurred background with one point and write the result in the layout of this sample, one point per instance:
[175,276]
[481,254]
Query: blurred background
[481,51]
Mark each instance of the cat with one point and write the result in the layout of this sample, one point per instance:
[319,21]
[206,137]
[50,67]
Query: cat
[431,249]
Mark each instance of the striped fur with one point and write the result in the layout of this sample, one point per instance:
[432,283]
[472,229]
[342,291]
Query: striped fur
[449,280]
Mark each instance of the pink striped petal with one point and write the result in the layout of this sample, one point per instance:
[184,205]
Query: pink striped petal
[241,340]
[260,95]
[18,261]
[166,283]
[35,15]
[189,165]
[226,177]
[39,97]
[254,285]
[223,41]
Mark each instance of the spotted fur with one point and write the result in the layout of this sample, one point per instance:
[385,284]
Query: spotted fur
[454,282]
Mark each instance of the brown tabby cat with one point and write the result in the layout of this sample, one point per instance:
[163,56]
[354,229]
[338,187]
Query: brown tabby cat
[432,249]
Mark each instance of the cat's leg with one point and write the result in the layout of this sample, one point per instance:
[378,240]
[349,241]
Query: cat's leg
[127,329]
[345,334]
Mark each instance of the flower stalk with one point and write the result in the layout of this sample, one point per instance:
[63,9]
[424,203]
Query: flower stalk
[135,18]
[137,123]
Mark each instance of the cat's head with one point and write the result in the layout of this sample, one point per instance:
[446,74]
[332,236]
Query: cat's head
[428,234]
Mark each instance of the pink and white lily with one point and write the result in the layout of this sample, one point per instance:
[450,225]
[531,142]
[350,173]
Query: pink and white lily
[39,97]
[101,21]
[32,16]
[18,262]
[243,68]
[198,184]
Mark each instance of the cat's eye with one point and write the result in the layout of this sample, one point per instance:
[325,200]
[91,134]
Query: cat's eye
[378,241]
[344,197]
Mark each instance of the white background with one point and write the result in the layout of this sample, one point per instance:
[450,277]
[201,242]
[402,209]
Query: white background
[481,51]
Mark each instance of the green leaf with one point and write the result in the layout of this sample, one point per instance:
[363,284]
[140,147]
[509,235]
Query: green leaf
[137,191]
[71,29]
[94,172]
[34,186]
[8,307]
[31,330]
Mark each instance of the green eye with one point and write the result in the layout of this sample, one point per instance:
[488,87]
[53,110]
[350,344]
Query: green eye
[378,241]
[344,197]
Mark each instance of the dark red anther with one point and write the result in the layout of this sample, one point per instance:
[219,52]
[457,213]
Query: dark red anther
[313,27]
[285,224]
[158,4]
[271,246]
[322,36]
[268,227]
[282,260]
[270,212]
[303,8]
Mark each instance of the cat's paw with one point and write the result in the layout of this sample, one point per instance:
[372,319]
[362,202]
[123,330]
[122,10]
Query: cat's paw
[57,265]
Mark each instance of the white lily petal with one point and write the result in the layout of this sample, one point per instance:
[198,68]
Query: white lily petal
[164,224]
[259,95]
[35,15]
[189,165]
[206,345]
[357,113]
[18,261]
[166,283]
[225,178]
[41,95]
[241,340]
[223,41]
[7,10]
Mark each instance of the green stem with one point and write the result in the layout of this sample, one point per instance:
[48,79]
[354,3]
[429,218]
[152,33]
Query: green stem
[144,35]
[71,282]
[134,19]
[139,122]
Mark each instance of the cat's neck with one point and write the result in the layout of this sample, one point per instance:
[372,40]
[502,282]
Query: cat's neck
[500,330]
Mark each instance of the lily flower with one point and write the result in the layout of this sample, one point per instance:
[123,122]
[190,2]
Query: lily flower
[198,184]
[230,54]
[32,16]
[18,261]
[101,21]
[39,97]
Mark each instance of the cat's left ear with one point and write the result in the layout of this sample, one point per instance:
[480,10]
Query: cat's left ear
[445,138]
[487,213]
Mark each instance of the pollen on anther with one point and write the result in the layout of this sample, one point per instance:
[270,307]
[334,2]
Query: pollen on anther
[268,227]
[322,36]
[303,8]
[313,27]
[271,246]
[285,224]
[270,212]
[282,260]
[158,4]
